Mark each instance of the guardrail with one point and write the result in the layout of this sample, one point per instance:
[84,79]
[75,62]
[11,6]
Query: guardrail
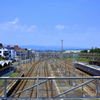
[51,79]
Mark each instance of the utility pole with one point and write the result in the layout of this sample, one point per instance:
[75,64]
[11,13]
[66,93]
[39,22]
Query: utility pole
[62,45]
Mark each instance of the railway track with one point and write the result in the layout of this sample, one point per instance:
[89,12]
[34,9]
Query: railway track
[89,87]
[39,69]
[24,84]
[10,83]
[53,68]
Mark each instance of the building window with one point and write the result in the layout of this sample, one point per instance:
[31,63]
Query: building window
[0,51]
[6,53]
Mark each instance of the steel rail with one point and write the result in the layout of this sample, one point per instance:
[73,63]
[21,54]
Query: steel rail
[75,87]
[30,87]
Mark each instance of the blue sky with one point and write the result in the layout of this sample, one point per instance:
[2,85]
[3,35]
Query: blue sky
[47,22]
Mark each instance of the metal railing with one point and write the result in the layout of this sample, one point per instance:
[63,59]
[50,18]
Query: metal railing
[51,79]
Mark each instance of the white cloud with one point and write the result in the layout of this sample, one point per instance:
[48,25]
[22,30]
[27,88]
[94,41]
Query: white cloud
[31,28]
[14,25]
[13,22]
[60,27]
[9,25]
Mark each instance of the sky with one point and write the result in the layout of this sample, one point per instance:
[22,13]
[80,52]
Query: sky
[47,22]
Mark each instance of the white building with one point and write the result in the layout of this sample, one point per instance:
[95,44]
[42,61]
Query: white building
[72,51]
[7,53]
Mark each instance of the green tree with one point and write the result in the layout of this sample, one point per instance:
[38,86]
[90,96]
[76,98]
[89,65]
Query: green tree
[84,51]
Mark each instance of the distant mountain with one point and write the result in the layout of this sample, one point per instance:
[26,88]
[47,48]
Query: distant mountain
[35,47]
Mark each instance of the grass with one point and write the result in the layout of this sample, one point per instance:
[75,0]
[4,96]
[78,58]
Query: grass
[82,59]
[12,75]
[1,58]
[78,59]
[69,58]
[1,81]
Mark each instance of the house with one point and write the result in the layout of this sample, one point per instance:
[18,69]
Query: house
[4,52]
[16,53]
[7,53]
